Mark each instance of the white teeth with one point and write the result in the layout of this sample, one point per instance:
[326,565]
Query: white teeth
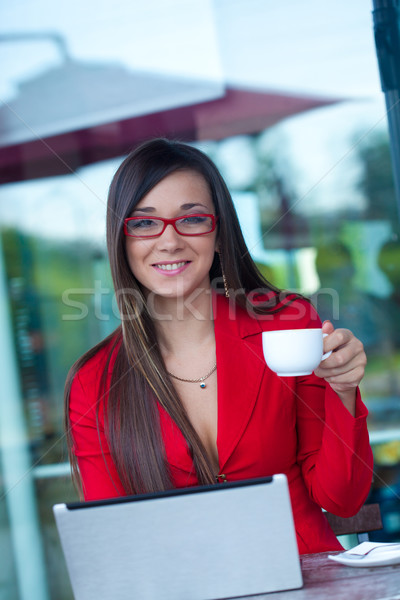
[171,267]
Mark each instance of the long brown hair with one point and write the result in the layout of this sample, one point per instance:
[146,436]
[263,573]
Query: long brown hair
[139,378]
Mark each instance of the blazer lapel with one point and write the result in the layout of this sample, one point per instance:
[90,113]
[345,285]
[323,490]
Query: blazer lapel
[240,368]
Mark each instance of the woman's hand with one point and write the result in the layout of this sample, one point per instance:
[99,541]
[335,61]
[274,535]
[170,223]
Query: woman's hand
[345,367]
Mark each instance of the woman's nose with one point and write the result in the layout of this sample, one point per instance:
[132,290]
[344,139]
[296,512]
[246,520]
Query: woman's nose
[170,238]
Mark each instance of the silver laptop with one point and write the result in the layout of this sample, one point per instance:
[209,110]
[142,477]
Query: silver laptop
[201,543]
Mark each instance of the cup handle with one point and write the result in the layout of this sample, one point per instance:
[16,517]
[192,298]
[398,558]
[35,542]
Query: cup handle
[327,354]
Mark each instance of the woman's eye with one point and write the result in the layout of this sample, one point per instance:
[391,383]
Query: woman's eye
[142,223]
[193,220]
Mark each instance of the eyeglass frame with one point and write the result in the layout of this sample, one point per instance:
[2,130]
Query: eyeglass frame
[166,222]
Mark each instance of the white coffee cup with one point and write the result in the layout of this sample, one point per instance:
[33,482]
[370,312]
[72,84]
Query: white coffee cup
[293,352]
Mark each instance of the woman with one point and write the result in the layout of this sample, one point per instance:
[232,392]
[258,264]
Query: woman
[180,394]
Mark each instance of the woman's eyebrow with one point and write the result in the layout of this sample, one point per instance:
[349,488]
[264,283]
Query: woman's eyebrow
[190,205]
[186,206]
[145,209]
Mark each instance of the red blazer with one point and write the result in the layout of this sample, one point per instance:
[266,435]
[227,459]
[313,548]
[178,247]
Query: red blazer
[266,425]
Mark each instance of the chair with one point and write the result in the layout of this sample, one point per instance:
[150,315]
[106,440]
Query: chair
[367,519]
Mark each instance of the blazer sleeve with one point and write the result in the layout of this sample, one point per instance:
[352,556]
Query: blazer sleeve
[333,447]
[97,470]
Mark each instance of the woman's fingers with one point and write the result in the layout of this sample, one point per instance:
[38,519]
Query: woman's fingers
[338,339]
[346,381]
[344,357]
[345,366]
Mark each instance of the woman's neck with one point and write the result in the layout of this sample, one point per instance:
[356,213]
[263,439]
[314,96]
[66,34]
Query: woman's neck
[182,323]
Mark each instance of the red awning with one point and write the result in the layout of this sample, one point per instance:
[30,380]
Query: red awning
[238,111]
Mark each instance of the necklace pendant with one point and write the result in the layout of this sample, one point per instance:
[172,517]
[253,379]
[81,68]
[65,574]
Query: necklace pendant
[202,385]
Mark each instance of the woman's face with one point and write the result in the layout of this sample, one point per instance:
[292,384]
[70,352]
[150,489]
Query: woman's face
[173,265]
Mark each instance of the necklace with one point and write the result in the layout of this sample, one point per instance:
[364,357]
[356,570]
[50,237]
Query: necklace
[199,380]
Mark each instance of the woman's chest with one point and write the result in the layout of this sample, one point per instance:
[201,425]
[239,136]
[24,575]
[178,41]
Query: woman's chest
[201,405]
[252,441]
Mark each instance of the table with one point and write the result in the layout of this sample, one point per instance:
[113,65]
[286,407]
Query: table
[326,579]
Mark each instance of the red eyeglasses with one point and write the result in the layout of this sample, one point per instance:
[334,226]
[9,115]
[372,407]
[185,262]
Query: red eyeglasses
[147,227]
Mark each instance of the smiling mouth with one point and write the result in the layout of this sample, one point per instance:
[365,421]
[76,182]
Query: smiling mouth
[172,266]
